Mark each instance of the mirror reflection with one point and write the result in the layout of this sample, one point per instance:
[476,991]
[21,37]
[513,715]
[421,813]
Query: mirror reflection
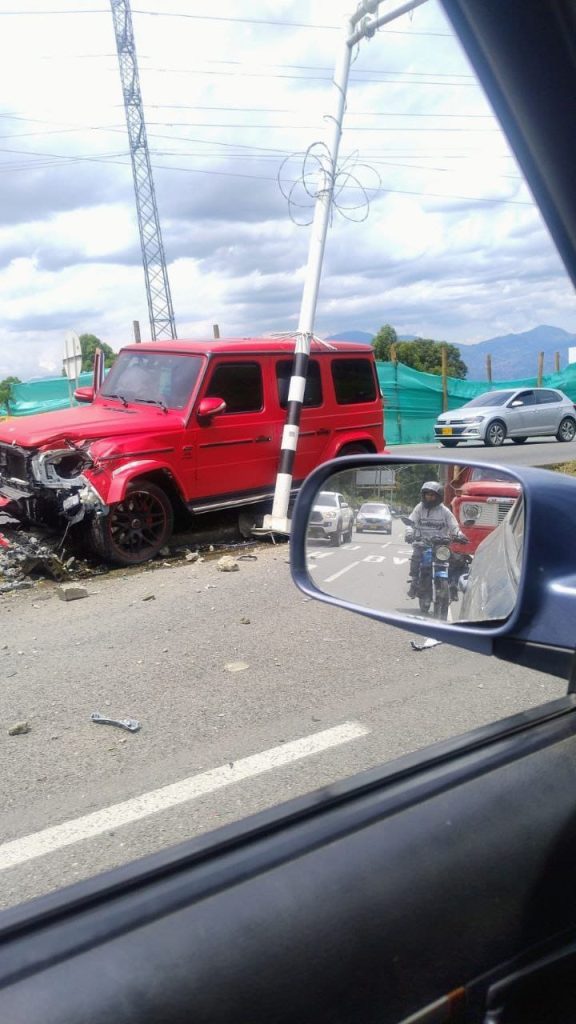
[435,540]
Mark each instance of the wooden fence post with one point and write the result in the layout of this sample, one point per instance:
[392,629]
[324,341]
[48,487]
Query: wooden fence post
[540,369]
[136,329]
[444,378]
[215,331]
[556,362]
[489,369]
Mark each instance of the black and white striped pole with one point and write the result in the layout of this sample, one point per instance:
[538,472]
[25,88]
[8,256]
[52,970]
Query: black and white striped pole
[362,24]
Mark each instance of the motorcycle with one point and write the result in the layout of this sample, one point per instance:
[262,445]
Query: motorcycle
[439,569]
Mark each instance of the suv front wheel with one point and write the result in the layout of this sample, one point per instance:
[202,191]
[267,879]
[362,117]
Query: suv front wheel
[136,528]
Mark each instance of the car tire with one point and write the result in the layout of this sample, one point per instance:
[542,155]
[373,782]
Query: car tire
[566,430]
[348,535]
[519,440]
[442,602]
[336,538]
[136,528]
[495,434]
[448,444]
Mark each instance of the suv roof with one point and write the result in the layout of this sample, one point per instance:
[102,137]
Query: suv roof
[229,346]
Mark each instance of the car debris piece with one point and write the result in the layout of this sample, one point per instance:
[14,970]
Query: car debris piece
[429,642]
[15,585]
[227,564]
[192,556]
[131,724]
[19,729]
[22,556]
[71,592]
[236,666]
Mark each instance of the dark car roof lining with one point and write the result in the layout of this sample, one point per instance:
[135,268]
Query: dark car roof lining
[525,55]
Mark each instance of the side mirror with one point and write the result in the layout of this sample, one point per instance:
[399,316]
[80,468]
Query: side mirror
[516,404]
[511,593]
[210,407]
[84,395]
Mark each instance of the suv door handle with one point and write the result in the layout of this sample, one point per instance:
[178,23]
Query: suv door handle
[261,439]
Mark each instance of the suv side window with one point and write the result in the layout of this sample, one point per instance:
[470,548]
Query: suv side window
[353,381]
[547,397]
[526,397]
[239,384]
[313,389]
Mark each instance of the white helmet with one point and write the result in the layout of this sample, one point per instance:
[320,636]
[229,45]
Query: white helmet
[432,487]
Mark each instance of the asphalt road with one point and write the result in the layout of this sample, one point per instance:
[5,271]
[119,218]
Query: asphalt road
[247,692]
[533,453]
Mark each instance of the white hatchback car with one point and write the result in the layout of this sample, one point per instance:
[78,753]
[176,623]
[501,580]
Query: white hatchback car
[518,414]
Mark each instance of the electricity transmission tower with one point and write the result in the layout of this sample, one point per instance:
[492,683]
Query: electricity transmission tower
[161,313]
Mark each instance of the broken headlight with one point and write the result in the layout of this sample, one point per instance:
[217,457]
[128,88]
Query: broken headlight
[60,468]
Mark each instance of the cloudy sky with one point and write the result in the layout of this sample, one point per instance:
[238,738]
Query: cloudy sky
[450,246]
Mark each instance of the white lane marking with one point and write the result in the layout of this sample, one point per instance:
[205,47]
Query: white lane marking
[322,554]
[374,558]
[399,561]
[341,573]
[50,839]
[353,547]
[386,545]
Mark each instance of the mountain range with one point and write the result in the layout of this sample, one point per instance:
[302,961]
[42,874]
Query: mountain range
[513,355]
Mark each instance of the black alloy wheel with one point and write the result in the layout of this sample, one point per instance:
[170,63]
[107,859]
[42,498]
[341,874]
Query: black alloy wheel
[566,430]
[136,528]
[495,434]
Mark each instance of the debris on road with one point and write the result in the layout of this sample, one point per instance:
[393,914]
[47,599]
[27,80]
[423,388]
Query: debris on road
[19,729]
[23,555]
[192,556]
[149,597]
[236,666]
[71,592]
[227,564]
[131,724]
[247,558]
[15,585]
[429,642]
[244,621]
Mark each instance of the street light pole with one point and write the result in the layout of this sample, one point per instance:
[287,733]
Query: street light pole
[362,24]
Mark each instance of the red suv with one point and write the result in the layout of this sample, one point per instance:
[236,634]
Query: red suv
[183,426]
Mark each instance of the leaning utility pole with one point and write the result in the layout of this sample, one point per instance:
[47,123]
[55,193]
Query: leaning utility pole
[162,323]
[361,25]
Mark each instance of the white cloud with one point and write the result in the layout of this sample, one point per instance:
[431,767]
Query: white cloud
[452,247]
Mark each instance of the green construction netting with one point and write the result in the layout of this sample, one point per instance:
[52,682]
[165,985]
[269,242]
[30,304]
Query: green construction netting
[42,395]
[413,400]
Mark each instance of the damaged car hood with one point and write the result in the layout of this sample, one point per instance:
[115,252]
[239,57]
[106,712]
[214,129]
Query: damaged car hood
[97,421]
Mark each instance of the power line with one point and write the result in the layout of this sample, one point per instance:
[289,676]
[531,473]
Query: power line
[220,18]
[257,177]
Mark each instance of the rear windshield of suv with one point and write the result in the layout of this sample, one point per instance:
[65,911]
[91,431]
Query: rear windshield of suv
[353,381]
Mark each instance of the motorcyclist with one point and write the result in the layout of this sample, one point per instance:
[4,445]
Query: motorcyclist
[432,519]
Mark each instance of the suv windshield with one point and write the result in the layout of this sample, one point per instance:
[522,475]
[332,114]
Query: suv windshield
[372,507]
[490,398]
[155,377]
[327,498]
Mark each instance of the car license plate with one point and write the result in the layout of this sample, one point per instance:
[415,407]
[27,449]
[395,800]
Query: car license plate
[446,430]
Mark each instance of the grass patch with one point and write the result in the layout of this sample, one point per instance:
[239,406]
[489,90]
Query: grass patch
[569,468]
